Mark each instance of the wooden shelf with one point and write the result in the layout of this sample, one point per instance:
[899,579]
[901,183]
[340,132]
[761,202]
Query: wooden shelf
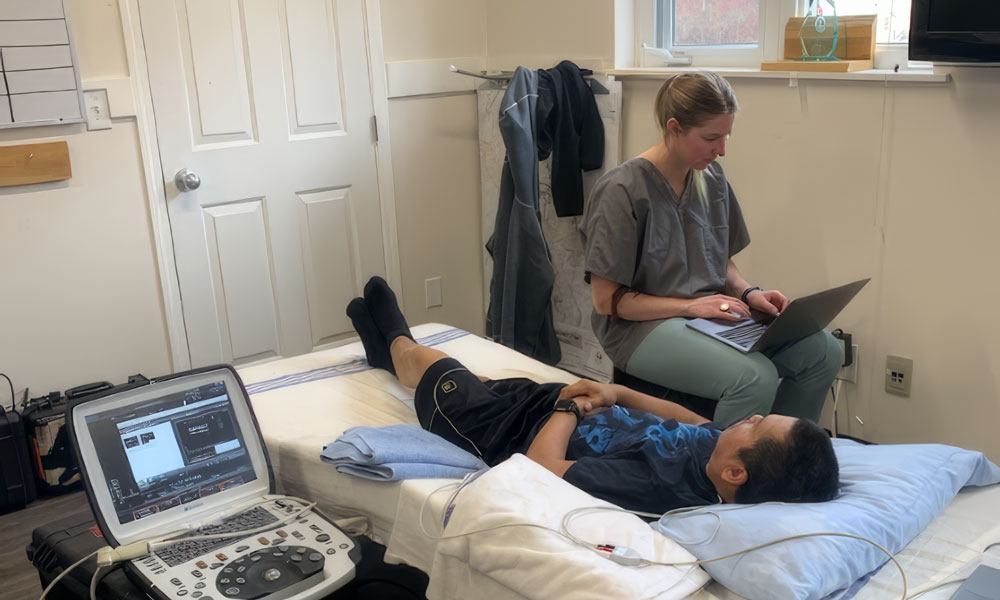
[34,163]
[832,66]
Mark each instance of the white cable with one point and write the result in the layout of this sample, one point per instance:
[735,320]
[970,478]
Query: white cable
[641,561]
[646,562]
[53,583]
[935,586]
[115,555]
[93,583]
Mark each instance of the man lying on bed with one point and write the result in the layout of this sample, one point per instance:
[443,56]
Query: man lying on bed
[639,452]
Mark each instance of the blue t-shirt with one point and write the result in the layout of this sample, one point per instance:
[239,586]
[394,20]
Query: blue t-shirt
[641,462]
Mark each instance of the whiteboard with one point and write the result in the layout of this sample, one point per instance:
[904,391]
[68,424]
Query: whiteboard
[39,75]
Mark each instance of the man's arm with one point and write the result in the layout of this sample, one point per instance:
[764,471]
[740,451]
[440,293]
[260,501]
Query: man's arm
[549,446]
[665,409]
[603,394]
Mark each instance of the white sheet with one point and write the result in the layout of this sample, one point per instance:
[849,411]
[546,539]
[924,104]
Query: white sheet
[540,563]
[305,402]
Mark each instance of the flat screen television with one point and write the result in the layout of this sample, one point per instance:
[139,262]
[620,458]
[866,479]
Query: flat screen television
[955,31]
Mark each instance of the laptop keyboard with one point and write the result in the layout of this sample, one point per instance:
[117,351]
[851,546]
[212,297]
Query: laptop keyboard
[182,552]
[745,335]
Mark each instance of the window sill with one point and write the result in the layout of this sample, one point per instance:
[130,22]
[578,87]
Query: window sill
[879,75]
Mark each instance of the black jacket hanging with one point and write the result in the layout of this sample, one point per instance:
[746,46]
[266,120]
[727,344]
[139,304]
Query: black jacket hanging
[570,128]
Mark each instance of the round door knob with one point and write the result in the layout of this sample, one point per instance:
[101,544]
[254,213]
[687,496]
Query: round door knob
[187,180]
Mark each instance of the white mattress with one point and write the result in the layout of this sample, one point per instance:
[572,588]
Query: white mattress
[305,402]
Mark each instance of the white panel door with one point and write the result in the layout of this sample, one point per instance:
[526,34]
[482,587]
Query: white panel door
[268,103]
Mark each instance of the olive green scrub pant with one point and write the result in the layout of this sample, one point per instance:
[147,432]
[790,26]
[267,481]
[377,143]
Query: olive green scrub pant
[792,379]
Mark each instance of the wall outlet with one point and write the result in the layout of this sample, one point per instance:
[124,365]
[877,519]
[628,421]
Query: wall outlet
[432,292]
[850,372]
[898,375]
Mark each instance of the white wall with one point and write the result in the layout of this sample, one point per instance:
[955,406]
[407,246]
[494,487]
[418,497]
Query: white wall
[540,34]
[81,298]
[435,155]
[838,180]
[843,180]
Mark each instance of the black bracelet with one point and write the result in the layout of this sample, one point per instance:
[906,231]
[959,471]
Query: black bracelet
[746,292]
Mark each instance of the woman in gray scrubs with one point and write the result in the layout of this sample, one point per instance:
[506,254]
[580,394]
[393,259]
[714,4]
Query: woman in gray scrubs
[660,233]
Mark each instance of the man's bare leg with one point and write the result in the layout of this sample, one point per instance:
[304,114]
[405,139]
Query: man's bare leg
[412,360]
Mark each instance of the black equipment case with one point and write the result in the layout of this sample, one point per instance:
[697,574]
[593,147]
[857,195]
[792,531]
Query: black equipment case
[17,483]
[57,545]
[48,445]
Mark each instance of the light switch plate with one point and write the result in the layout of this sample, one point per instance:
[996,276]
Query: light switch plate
[98,113]
[432,292]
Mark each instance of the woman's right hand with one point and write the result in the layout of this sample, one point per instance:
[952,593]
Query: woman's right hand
[719,306]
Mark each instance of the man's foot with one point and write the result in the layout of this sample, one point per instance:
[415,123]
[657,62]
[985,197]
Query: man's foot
[384,309]
[376,350]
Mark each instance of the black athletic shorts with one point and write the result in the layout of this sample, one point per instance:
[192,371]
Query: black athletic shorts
[491,419]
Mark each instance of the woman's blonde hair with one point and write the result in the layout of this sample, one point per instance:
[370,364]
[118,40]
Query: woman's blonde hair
[693,99]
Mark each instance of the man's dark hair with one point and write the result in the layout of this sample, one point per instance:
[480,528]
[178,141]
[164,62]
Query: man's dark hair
[802,468]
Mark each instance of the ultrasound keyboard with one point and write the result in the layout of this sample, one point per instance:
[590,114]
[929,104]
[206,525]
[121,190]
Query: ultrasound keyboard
[182,552]
[306,558]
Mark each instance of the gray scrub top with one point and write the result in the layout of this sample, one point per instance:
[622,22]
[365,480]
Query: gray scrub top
[641,235]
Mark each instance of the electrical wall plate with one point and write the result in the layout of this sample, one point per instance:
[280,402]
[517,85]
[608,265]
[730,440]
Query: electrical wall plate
[98,111]
[898,375]
[432,292]
[850,372]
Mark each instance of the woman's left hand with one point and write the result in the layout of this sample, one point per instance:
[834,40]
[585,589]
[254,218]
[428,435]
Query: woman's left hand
[769,302]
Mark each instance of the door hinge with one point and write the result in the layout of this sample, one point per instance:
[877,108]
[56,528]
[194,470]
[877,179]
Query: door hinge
[375,128]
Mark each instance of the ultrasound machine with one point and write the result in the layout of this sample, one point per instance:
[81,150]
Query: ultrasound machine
[181,486]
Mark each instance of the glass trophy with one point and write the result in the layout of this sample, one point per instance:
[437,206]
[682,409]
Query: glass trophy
[818,33]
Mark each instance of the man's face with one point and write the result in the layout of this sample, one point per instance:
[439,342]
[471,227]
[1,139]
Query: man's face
[745,433]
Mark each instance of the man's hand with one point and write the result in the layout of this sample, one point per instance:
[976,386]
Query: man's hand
[590,396]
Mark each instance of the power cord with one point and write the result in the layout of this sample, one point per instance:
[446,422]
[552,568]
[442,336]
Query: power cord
[53,583]
[93,582]
[13,398]
[21,460]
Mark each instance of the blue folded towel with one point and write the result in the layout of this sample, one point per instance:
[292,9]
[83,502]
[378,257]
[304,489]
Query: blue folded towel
[398,452]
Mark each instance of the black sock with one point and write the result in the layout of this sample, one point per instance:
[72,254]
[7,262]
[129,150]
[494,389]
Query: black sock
[385,311]
[376,350]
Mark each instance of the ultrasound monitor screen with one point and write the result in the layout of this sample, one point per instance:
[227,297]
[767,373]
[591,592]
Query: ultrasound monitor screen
[170,451]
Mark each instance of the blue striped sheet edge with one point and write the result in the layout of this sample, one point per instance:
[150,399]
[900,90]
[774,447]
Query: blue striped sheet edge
[354,366]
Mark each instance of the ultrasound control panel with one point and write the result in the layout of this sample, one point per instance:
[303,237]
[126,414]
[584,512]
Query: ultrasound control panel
[304,559]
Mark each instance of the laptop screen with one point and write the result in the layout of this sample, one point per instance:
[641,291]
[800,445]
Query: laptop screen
[161,455]
[170,451]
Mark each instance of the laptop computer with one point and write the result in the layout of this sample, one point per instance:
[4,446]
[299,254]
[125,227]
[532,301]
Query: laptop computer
[802,317]
[182,457]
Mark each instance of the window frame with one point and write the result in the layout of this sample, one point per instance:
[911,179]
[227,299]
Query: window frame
[773,16]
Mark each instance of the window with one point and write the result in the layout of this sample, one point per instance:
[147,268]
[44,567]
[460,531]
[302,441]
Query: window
[694,23]
[713,32]
[739,33]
